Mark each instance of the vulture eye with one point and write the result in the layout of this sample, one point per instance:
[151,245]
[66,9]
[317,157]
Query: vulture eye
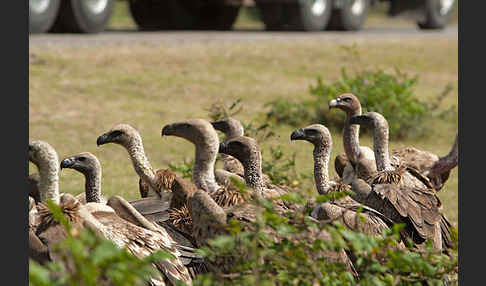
[82,159]
[347,99]
[311,132]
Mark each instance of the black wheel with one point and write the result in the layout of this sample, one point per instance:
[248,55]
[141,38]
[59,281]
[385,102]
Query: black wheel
[349,17]
[272,15]
[217,17]
[308,15]
[42,14]
[437,14]
[153,15]
[150,15]
[83,16]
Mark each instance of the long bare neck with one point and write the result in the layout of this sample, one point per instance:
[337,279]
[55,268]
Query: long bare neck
[234,132]
[321,162]
[49,180]
[448,161]
[253,172]
[140,162]
[351,137]
[380,148]
[93,185]
[203,171]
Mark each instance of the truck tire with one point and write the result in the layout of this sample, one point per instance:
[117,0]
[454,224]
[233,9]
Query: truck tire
[42,14]
[154,15]
[308,15]
[350,16]
[217,17]
[272,15]
[150,15]
[83,16]
[437,14]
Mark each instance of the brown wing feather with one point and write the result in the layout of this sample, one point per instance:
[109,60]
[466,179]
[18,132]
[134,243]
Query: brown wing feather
[231,164]
[164,179]
[142,242]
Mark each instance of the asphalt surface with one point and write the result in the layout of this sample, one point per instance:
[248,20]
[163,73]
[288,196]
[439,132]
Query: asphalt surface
[179,37]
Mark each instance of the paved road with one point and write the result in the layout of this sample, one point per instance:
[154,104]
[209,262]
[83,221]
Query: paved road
[179,37]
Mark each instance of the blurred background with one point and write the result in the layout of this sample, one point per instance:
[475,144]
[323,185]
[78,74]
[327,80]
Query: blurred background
[92,16]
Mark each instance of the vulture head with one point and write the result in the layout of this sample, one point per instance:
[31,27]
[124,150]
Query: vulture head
[121,134]
[347,102]
[197,131]
[229,126]
[316,134]
[243,148]
[84,163]
[371,120]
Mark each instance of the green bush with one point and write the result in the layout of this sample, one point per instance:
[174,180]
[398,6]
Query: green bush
[292,258]
[391,94]
[184,168]
[92,261]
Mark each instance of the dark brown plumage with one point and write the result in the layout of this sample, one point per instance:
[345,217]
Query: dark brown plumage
[163,178]
[436,168]
[402,193]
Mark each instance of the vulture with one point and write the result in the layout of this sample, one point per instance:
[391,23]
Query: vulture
[436,168]
[357,160]
[141,238]
[210,220]
[44,156]
[345,209]
[205,139]
[88,164]
[401,193]
[246,150]
[151,183]
[171,217]
[232,128]
[140,242]
[38,251]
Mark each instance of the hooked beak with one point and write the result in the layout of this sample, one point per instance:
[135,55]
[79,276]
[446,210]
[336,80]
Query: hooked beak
[167,130]
[67,163]
[298,134]
[333,103]
[103,139]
